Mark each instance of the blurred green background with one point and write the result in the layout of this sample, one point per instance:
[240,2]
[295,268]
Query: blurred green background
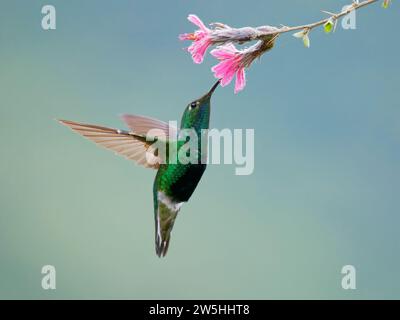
[324,194]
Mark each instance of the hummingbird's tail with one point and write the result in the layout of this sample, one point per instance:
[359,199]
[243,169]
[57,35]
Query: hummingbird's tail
[165,212]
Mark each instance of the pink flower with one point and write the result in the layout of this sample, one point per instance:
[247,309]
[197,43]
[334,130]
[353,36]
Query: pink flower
[201,39]
[232,62]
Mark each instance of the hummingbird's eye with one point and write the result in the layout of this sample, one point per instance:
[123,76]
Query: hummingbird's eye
[193,105]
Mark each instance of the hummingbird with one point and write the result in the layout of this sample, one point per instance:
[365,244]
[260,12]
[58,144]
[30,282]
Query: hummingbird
[175,182]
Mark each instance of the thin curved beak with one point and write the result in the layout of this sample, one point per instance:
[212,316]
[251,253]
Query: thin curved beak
[213,88]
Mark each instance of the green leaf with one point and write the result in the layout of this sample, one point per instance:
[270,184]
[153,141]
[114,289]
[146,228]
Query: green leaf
[306,40]
[304,36]
[299,34]
[386,3]
[328,26]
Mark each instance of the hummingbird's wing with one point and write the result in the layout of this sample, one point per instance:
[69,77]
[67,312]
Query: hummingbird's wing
[128,144]
[142,125]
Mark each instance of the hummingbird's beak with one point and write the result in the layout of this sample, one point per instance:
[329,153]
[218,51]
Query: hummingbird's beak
[213,88]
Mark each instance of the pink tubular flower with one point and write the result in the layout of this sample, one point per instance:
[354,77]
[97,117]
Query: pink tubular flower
[201,39]
[232,62]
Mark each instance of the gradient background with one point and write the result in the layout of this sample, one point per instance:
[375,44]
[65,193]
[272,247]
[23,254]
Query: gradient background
[325,191]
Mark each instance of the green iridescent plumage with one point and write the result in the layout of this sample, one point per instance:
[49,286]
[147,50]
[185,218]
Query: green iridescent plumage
[175,181]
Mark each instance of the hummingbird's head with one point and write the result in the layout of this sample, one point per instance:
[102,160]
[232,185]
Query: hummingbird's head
[197,112]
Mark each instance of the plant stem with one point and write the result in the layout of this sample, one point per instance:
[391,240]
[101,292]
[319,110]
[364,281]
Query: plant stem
[351,7]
